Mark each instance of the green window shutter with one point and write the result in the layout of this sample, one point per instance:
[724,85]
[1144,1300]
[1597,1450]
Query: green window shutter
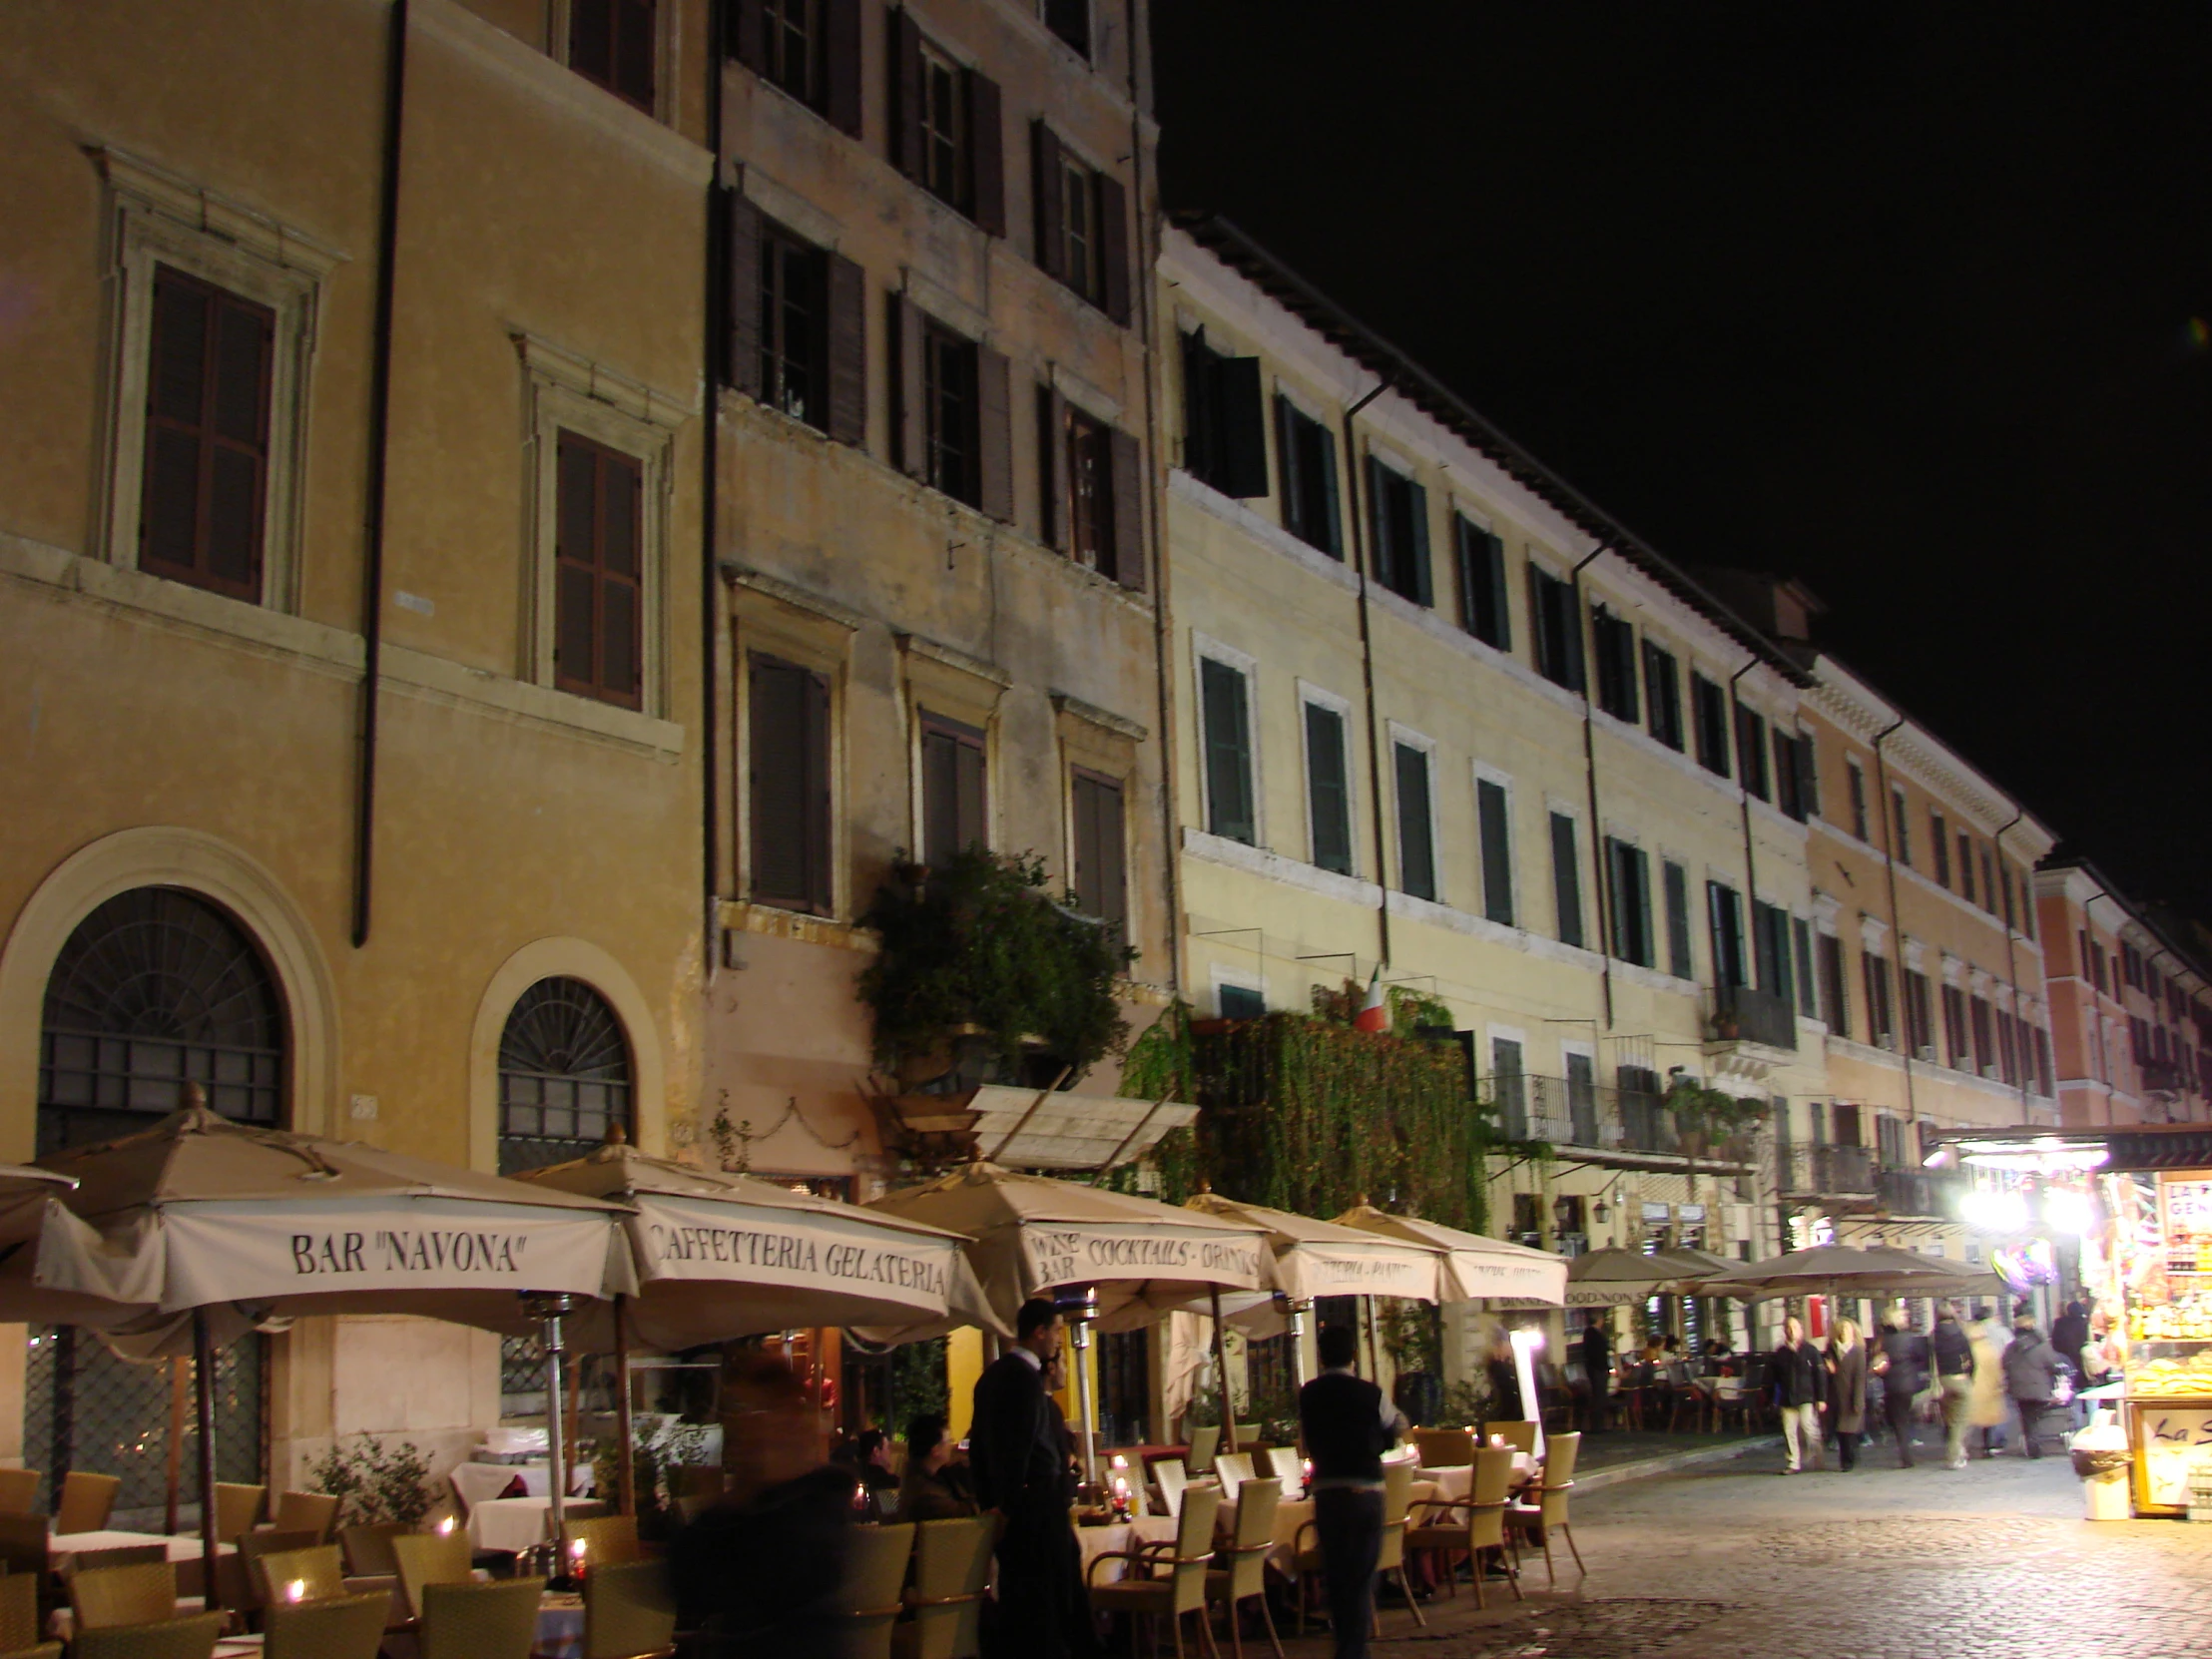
[1229,794]
[1675,880]
[1417,850]
[1566,880]
[1414,562]
[1495,824]
[1328,794]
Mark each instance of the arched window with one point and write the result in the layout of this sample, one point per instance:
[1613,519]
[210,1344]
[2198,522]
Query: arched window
[155,988]
[564,1075]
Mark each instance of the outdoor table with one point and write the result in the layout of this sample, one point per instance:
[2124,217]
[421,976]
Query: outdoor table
[475,1483]
[1105,1540]
[508,1524]
[62,1546]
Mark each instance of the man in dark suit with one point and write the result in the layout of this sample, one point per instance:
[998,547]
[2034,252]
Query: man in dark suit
[1021,1473]
[1597,1368]
[1347,1425]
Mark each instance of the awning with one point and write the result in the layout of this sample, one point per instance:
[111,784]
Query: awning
[1476,1267]
[1031,1129]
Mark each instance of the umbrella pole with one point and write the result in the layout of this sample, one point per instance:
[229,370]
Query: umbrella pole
[1221,1373]
[1375,1360]
[203,1369]
[1298,1342]
[627,1457]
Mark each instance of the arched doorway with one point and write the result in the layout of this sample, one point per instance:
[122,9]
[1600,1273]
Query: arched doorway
[154,988]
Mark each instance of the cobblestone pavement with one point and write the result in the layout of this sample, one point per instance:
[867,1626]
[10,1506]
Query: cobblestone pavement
[1992,1561]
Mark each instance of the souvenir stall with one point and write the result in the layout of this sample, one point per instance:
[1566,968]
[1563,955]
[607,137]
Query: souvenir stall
[2148,1259]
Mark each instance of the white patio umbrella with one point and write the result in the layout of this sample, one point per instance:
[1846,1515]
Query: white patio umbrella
[1612,1277]
[1033,1234]
[1476,1267]
[1842,1270]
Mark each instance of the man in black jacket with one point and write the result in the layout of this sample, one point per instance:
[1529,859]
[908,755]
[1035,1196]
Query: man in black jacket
[1023,1473]
[1597,1368]
[1902,1366]
[1347,1425]
[1801,1389]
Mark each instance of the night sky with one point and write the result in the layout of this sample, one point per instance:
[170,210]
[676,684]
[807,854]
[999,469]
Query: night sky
[1901,301]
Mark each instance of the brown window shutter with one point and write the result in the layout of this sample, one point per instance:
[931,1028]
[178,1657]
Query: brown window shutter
[748,38]
[1128,467]
[987,152]
[905,66]
[1100,879]
[744,367]
[906,388]
[848,351]
[995,421]
[1113,246]
[1052,488]
[1044,155]
[206,437]
[789,785]
[840,50]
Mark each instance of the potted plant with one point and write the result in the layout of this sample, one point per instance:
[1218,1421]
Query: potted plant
[374,1483]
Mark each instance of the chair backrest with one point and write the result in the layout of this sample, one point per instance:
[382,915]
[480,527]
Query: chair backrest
[1516,1432]
[341,1627]
[315,1512]
[572,1511]
[498,1620]
[141,1594]
[1560,1452]
[1168,1472]
[369,1548]
[124,1555]
[1444,1449]
[255,1549]
[1247,1436]
[630,1609]
[19,1620]
[1194,1548]
[236,1507]
[1205,1440]
[18,1490]
[609,1539]
[952,1563]
[1256,1502]
[876,1560]
[1398,1498]
[191,1637]
[427,1558]
[23,1543]
[319,1570]
[1232,1469]
[1488,1494]
[86,1501]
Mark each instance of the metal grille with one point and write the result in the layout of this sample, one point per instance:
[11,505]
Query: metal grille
[155,988]
[85,1409]
[564,1075]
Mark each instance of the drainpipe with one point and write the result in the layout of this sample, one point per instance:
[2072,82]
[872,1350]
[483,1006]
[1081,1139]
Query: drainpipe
[1367,673]
[380,456]
[2096,1003]
[1890,873]
[715,322]
[2012,968]
[1589,778]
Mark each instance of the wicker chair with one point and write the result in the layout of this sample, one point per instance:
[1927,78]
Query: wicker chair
[1482,1527]
[1245,1576]
[1549,1514]
[319,1570]
[1232,1469]
[306,1512]
[1444,1449]
[23,1543]
[1204,1441]
[952,1565]
[87,1501]
[45,1650]
[340,1627]
[427,1558]
[1183,1589]
[606,1538]
[19,1620]
[191,1637]
[18,1490]
[1171,1478]
[874,1570]
[1517,1432]
[629,1611]
[240,1580]
[107,1596]
[369,1548]
[124,1555]
[498,1620]
[236,1507]
[1398,1503]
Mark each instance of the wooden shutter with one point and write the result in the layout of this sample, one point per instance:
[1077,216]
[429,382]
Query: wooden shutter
[1417,841]
[840,63]
[1046,200]
[906,70]
[987,154]
[598,632]
[952,789]
[1415,557]
[748,42]
[1566,880]
[1113,250]
[1328,793]
[907,388]
[1227,752]
[846,284]
[790,785]
[1101,862]
[1381,555]
[994,420]
[743,366]
[1052,482]
[1676,882]
[206,437]
[1331,503]
[1291,474]
[1241,446]
[1128,509]
[1493,825]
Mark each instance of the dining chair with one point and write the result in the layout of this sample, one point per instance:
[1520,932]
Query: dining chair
[1549,1514]
[316,1512]
[1481,1528]
[952,1565]
[123,1556]
[606,1538]
[1517,1432]
[191,1637]
[236,1507]
[498,1620]
[19,1620]
[1183,1589]
[875,1571]
[369,1548]
[426,1558]
[141,1594]
[1247,1436]
[1232,1469]
[18,1490]
[630,1611]
[1204,1441]
[319,1570]
[1398,1502]
[86,1501]
[23,1543]
[1244,1575]
[336,1627]
[1444,1448]
[1169,1475]
[1284,1465]
[240,1580]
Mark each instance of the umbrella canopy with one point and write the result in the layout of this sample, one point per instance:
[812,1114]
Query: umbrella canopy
[1475,1268]
[1319,1258]
[717,1256]
[1958,1277]
[1836,1270]
[199,1212]
[1032,1234]
[1612,1277]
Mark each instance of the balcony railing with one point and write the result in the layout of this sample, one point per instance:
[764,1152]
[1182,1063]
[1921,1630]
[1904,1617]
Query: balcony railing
[1918,1191]
[1829,1170]
[1744,1014]
[1568,1112]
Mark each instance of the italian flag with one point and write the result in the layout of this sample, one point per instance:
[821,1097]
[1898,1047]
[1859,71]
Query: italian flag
[1373,1014]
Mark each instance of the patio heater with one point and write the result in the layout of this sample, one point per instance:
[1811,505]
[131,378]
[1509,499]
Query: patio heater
[1079,1307]
[549,1309]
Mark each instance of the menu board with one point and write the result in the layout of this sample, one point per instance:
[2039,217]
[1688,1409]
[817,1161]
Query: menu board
[2174,1438]
[2185,1223]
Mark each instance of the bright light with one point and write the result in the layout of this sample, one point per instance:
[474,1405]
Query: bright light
[297,1590]
[445,1526]
[1987,1211]
[2068,1212]
[1533,1340]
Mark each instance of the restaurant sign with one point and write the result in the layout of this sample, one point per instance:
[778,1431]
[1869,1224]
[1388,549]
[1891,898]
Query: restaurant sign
[677,1239]
[1081,1255]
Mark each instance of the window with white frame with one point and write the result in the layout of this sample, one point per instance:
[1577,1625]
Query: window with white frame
[1327,721]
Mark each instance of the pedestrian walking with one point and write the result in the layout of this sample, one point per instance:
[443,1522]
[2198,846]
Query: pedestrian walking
[2069,1334]
[1597,1367]
[1846,1387]
[1347,1425]
[1017,1452]
[1986,1407]
[1801,1389]
[1955,1368]
[2031,1367]
[1902,1366]
[1504,1374]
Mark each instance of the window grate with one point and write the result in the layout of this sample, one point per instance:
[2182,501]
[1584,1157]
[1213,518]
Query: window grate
[564,1075]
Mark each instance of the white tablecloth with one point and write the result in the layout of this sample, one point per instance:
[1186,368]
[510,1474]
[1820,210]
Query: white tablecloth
[475,1483]
[1104,1540]
[182,1548]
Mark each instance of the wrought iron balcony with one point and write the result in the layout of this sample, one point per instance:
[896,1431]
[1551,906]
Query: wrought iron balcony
[1566,1111]
[1918,1191]
[1830,1171]
[1742,1013]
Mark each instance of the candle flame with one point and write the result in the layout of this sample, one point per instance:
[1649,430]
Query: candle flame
[297,1590]
[445,1526]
